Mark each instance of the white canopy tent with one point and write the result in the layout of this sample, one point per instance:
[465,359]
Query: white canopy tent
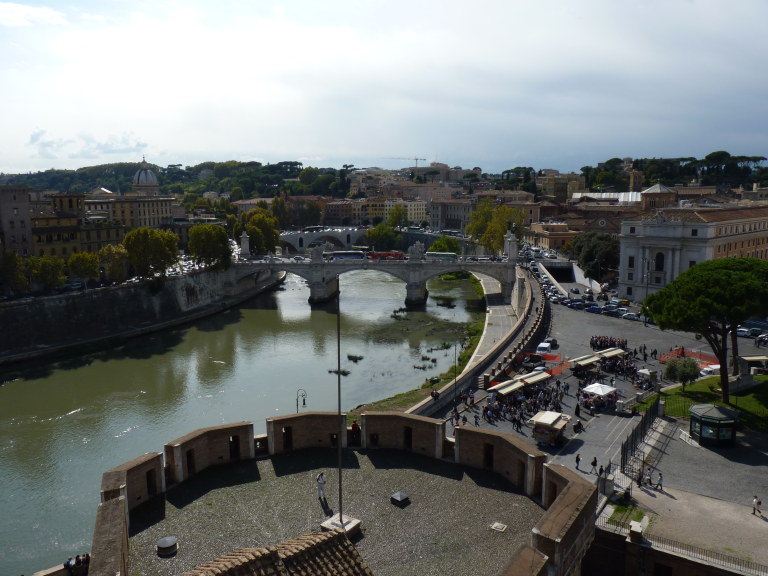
[599,389]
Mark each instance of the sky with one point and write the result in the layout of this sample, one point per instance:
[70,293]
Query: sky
[491,83]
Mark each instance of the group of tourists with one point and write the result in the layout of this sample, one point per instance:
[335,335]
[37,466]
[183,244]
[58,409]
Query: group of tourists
[78,566]
[603,342]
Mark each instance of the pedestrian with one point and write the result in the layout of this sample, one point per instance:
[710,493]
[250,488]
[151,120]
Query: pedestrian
[477,420]
[594,466]
[649,477]
[577,411]
[320,481]
[578,460]
[754,506]
[600,472]
[660,482]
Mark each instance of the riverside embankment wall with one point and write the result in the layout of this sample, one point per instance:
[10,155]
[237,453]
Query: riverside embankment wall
[39,326]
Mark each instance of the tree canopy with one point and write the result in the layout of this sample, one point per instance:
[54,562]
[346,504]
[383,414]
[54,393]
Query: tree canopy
[445,244]
[382,237]
[711,299]
[151,251]
[83,265]
[596,254]
[209,244]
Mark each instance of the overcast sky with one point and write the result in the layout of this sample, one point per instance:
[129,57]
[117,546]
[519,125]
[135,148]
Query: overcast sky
[490,83]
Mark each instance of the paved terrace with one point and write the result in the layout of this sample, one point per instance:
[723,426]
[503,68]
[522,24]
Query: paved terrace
[444,531]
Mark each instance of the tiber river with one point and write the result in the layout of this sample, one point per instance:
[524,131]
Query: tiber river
[63,423]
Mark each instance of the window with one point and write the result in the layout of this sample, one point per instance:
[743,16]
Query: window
[630,276]
[631,262]
[658,262]
[631,229]
[695,232]
[691,263]
[629,290]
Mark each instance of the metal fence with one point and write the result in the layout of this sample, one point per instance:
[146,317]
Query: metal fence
[621,526]
[730,562]
[632,443]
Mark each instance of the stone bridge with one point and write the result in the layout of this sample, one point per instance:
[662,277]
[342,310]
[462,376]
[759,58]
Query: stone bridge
[300,242]
[322,276]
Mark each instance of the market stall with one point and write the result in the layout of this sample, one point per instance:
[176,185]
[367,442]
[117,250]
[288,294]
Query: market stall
[549,427]
[599,397]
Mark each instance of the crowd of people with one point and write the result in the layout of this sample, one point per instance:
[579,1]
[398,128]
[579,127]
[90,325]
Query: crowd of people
[603,342]
[78,566]
[516,407]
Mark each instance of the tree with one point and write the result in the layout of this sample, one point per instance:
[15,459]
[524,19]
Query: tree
[480,218]
[493,238]
[47,271]
[398,216]
[151,251]
[263,230]
[445,244]
[595,253]
[12,277]
[209,244]
[115,260]
[382,237]
[711,299]
[683,370]
[84,265]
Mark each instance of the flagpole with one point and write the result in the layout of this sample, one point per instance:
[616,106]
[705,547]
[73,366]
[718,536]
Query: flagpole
[342,424]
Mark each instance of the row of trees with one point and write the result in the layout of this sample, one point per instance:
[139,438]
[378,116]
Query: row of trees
[716,168]
[145,252]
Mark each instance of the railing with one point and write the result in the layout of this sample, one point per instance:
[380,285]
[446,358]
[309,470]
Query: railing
[630,446]
[621,526]
[689,551]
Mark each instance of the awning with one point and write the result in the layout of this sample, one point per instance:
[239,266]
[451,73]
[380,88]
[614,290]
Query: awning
[535,377]
[497,387]
[611,352]
[511,386]
[582,361]
[599,389]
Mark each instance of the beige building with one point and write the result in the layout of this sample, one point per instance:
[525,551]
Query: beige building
[661,244]
[549,235]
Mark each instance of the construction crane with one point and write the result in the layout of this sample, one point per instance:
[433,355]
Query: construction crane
[416,160]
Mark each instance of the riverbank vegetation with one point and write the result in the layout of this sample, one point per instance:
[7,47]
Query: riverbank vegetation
[403,401]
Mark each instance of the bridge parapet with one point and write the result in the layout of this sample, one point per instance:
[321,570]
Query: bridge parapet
[321,275]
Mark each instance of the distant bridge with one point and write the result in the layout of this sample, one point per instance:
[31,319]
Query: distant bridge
[342,237]
[322,276]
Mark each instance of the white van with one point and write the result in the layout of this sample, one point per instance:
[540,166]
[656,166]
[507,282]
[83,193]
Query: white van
[711,370]
[544,348]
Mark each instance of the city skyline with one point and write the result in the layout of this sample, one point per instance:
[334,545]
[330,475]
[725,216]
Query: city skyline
[550,85]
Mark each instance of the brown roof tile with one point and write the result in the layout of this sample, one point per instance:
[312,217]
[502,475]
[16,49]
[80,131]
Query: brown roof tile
[320,554]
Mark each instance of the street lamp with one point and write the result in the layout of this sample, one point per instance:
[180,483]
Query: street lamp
[455,373]
[301,393]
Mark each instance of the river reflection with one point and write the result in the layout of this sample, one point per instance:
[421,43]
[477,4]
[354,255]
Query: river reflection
[63,423]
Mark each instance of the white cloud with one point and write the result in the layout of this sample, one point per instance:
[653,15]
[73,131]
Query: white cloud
[546,84]
[17,15]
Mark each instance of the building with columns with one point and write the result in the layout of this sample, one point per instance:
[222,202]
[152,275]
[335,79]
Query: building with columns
[660,245]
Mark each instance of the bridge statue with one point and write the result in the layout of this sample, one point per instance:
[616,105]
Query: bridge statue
[416,251]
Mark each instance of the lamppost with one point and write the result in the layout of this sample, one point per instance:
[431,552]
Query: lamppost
[455,373]
[301,393]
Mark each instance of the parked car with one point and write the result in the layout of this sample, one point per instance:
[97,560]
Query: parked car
[743,332]
[575,290]
[613,313]
[631,316]
[711,370]
[576,305]
[551,341]
[593,309]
